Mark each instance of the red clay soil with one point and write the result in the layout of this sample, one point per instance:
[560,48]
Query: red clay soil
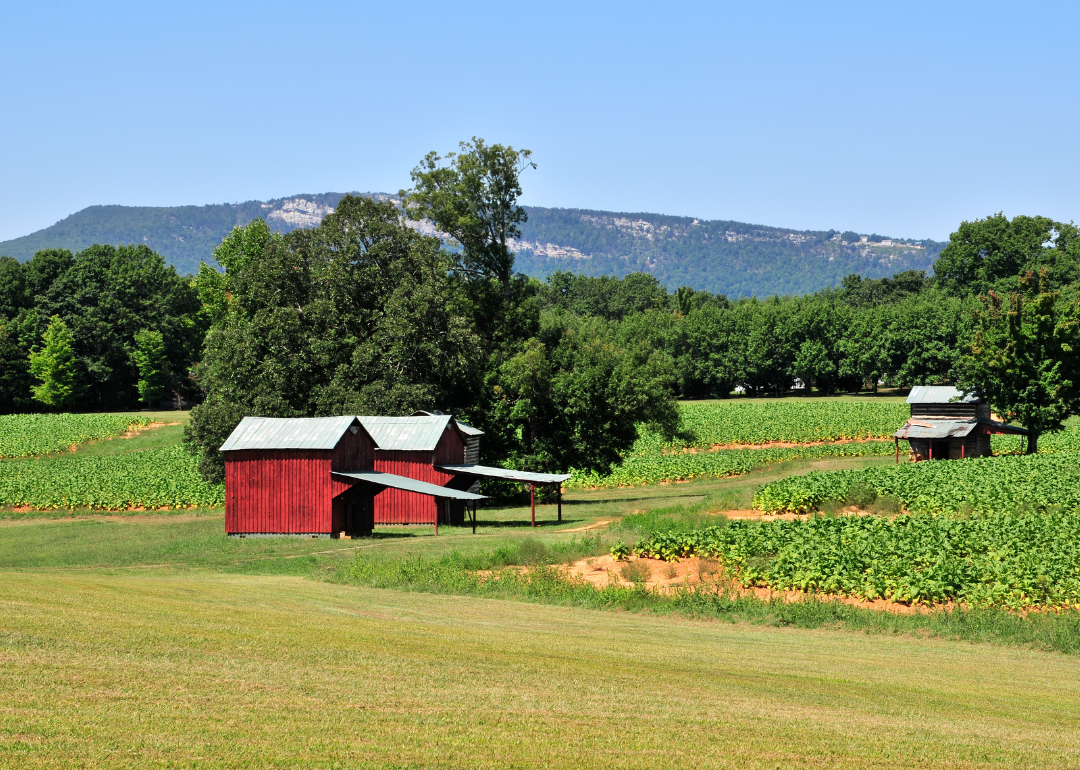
[602,571]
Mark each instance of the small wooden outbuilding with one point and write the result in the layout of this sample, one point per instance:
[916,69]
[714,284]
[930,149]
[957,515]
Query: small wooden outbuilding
[315,476]
[946,424]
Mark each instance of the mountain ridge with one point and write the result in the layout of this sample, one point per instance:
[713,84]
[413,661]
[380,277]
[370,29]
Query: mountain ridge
[722,256]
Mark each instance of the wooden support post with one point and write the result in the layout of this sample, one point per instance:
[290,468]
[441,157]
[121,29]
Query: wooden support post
[962,448]
[559,493]
[474,517]
[438,506]
[930,449]
[897,450]
[532,502]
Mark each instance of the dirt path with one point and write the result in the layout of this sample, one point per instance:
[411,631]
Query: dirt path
[775,445]
[586,528]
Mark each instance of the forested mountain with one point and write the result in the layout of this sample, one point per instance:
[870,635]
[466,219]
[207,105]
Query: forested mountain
[731,258]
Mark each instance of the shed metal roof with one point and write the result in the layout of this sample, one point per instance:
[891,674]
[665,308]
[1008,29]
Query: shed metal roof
[469,430]
[487,471]
[934,428]
[939,394]
[394,481]
[416,434]
[288,433]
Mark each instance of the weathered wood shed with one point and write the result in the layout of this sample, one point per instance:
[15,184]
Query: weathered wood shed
[947,425]
[312,476]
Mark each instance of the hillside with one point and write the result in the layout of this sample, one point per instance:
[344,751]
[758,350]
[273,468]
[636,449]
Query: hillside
[731,258]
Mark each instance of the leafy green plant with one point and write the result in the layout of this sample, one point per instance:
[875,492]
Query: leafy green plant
[619,551]
[29,435]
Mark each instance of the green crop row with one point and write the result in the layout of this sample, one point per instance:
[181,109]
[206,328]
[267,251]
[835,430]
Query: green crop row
[1002,560]
[797,422]
[29,435]
[153,478]
[637,470]
[985,484]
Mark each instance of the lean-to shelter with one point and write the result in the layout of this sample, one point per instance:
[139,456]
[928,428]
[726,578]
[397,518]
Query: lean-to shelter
[946,424]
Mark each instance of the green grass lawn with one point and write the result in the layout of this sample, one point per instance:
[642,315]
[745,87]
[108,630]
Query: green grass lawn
[157,669]
[152,640]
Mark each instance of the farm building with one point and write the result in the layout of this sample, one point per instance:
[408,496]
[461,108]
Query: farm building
[311,476]
[947,425]
[329,475]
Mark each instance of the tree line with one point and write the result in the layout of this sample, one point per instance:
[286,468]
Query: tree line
[364,314]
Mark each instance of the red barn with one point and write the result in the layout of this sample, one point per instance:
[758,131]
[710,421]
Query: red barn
[316,476]
[413,447]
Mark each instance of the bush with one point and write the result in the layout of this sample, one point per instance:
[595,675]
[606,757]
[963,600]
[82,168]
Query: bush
[861,496]
[637,572]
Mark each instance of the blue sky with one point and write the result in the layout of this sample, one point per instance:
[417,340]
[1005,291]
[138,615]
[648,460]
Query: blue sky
[901,119]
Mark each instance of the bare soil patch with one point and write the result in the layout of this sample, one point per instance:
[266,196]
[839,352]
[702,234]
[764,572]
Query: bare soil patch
[692,571]
[587,527]
[140,428]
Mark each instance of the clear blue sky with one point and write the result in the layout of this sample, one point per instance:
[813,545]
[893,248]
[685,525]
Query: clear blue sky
[901,119]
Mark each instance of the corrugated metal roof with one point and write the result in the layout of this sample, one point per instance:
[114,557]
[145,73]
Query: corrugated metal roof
[505,474]
[394,481]
[416,434]
[938,394]
[288,433]
[934,428]
[469,430]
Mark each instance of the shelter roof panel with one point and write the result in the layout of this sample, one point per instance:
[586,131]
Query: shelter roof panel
[489,472]
[935,428]
[394,481]
[288,433]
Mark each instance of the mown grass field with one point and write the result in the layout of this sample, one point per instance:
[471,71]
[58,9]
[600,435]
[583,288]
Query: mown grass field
[180,670]
[146,639]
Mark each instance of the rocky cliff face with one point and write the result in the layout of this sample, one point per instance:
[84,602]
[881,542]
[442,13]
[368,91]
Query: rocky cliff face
[732,258]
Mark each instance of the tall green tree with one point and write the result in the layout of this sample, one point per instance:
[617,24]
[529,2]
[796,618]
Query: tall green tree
[472,196]
[54,367]
[1025,356]
[360,315]
[153,365]
[993,253]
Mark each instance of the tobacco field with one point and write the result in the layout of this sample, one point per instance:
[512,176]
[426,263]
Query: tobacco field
[654,468]
[30,435]
[153,478]
[796,422]
[1007,560]
[983,485]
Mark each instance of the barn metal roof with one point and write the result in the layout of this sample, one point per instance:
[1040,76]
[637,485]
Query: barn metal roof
[505,474]
[939,394]
[469,430]
[288,433]
[417,433]
[394,481]
[934,428]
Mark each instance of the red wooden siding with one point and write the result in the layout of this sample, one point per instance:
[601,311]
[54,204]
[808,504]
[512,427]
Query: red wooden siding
[287,491]
[396,506]
[290,491]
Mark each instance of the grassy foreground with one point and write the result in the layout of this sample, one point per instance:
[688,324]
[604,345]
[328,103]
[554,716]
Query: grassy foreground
[170,670]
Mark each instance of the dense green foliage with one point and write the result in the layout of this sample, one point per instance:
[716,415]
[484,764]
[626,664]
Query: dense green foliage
[1016,561]
[152,478]
[104,296]
[53,365]
[31,435]
[1025,356]
[983,485]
